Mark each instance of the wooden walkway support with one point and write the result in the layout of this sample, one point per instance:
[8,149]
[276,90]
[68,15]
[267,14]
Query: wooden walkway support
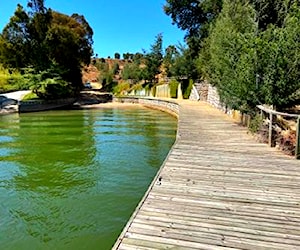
[218,189]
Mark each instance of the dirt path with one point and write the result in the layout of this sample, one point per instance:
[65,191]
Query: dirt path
[17,95]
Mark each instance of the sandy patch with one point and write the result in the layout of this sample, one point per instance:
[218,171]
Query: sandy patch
[110,105]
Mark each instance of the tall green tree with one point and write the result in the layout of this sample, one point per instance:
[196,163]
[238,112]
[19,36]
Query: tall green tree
[269,12]
[69,44]
[278,61]
[169,59]
[251,65]
[154,59]
[132,71]
[193,16]
[184,64]
[230,62]
[15,40]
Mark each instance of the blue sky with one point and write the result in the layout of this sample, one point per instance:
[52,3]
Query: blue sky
[119,26]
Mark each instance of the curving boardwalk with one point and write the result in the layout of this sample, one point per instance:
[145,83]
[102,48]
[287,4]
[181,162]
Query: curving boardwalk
[219,189]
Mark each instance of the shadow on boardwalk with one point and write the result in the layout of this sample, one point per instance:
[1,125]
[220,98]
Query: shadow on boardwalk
[218,189]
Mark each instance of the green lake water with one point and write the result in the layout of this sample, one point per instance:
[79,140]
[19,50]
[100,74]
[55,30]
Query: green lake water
[71,179]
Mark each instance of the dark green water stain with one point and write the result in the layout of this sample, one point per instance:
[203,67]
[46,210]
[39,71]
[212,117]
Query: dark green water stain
[71,179]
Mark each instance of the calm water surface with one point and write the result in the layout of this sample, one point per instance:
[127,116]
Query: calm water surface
[71,179]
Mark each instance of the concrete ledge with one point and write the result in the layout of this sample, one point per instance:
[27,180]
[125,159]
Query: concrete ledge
[168,106]
[42,105]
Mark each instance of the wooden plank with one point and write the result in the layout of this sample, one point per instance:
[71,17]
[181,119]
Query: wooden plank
[177,243]
[242,230]
[272,222]
[131,243]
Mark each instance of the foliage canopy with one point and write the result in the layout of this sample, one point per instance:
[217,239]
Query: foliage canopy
[248,49]
[43,39]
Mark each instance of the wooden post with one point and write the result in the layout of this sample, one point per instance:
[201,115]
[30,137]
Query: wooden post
[297,150]
[248,121]
[261,114]
[270,130]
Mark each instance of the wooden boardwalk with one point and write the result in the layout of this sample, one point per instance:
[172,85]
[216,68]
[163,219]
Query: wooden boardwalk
[219,189]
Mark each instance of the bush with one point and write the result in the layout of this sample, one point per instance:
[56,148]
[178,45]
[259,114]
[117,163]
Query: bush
[20,82]
[30,96]
[50,89]
[186,88]
[121,88]
[11,80]
[115,69]
[173,88]
[255,124]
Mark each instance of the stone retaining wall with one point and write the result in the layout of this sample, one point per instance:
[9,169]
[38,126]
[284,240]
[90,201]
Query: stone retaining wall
[202,89]
[194,96]
[213,98]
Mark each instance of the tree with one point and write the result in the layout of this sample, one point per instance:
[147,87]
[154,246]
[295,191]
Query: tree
[69,44]
[43,38]
[117,56]
[154,59]
[169,59]
[127,56]
[193,15]
[196,18]
[270,12]
[278,55]
[231,59]
[250,65]
[15,40]
[132,71]
[37,6]
[138,57]
[183,64]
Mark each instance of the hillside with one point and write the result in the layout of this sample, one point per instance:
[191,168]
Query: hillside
[92,73]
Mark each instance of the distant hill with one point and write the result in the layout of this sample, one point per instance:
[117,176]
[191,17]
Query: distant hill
[95,72]
[92,73]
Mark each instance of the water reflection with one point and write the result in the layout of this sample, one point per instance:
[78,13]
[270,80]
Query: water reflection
[52,155]
[71,179]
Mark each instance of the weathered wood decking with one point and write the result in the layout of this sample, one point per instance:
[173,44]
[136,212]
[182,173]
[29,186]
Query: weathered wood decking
[219,190]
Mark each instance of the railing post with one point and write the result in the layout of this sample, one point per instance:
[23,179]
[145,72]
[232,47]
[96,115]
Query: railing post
[270,130]
[297,150]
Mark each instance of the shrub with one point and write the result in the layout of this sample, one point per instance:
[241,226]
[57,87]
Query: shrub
[115,69]
[30,96]
[121,88]
[52,89]
[186,88]
[11,80]
[173,88]
[255,124]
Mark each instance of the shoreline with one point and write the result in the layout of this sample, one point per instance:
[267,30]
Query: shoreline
[108,105]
